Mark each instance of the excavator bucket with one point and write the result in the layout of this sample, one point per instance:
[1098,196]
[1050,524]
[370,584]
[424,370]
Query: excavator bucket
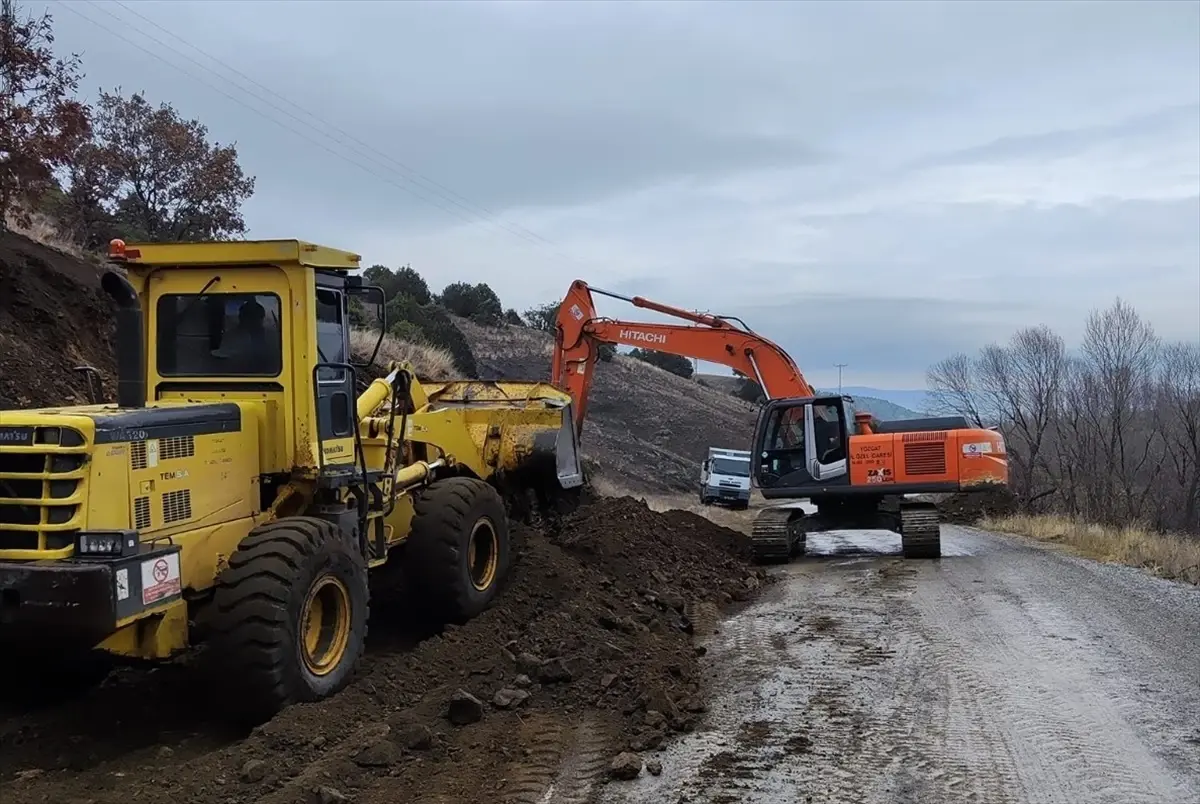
[563,445]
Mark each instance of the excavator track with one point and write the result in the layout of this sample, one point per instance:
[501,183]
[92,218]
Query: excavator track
[920,531]
[773,538]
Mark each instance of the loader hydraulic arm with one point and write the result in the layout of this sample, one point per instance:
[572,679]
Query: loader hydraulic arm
[716,339]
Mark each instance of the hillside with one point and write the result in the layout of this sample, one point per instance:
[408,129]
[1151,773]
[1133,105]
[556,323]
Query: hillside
[645,428]
[53,318]
[882,408]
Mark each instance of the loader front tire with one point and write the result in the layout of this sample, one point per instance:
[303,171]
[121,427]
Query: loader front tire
[289,617]
[458,549]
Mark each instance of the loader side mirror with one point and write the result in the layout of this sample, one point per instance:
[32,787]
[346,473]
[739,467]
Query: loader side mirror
[372,295]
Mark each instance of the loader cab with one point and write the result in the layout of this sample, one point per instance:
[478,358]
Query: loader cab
[264,324]
[802,445]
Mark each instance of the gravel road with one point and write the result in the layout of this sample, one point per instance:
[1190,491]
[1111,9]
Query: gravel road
[1003,674]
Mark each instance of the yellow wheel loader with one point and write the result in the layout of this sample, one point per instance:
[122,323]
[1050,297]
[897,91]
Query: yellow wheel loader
[238,494]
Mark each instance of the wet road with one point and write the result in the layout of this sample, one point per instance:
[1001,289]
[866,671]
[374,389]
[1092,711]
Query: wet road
[1002,674]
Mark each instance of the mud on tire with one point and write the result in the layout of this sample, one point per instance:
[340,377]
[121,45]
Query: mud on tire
[289,618]
[456,580]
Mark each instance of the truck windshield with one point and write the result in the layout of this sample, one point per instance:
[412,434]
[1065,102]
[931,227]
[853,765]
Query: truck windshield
[728,466]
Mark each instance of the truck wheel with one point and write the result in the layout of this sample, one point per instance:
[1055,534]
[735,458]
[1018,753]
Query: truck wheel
[457,552]
[289,617]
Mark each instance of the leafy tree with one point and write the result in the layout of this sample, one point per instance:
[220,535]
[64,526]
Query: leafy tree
[513,318]
[676,364]
[605,353]
[543,317]
[359,316]
[41,123]
[403,281]
[476,302]
[171,183]
[412,284]
[382,276]
[429,323]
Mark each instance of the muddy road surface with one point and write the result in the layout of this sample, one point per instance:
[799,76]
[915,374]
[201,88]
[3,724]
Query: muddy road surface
[1002,674]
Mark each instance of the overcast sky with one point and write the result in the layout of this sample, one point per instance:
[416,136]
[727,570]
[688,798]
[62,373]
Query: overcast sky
[877,184]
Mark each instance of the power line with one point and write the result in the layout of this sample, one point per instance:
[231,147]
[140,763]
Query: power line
[434,186]
[529,237]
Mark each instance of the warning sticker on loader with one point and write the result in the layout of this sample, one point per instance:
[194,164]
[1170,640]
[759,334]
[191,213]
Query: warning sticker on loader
[160,578]
[123,584]
[977,448]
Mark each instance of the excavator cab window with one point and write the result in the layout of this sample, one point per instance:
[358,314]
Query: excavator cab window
[829,432]
[801,442]
[784,445]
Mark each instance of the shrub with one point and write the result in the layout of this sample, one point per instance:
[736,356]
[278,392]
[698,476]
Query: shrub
[675,364]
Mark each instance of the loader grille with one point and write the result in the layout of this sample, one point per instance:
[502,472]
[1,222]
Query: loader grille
[177,506]
[41,478]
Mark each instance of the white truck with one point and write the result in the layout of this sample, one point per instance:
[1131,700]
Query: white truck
[725,478]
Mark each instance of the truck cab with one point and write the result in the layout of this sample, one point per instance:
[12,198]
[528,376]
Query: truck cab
[725,478]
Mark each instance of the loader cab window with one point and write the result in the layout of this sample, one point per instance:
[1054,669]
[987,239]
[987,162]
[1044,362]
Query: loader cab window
[332,335]
[219,335]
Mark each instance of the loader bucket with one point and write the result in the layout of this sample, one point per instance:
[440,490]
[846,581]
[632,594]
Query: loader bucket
[524,430]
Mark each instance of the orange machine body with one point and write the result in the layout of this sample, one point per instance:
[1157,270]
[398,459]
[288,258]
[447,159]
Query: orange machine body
[883,457]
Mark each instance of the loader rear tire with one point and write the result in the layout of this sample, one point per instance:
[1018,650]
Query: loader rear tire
[458,550]
[289,619]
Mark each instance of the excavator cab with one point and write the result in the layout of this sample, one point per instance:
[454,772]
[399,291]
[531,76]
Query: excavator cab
[802,443]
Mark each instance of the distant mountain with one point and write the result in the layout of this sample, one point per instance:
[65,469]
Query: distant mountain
[913,400]
[884,409]
[869,399]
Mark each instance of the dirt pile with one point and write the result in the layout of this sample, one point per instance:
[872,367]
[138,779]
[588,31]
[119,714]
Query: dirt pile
[967,508]
[53,317]
[589,650]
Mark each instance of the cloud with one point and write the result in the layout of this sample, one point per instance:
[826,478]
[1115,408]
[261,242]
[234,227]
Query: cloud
[879,184]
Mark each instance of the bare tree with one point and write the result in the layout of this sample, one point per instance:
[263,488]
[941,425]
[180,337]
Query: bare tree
[1109,434]
[953,388]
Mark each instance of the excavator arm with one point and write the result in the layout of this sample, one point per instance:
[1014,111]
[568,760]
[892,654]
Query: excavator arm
[580,331]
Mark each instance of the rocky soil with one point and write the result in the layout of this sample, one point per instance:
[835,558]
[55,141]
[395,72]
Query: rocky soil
[595,626]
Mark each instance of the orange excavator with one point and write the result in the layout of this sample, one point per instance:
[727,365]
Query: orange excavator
[856,470]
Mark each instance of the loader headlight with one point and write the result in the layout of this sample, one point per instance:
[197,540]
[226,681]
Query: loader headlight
[106,544]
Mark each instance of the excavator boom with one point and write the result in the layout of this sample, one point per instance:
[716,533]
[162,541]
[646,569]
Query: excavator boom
[716,339]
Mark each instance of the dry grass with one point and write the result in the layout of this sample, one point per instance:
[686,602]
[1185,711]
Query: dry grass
[430,362]
[42,229]
[1167,555]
